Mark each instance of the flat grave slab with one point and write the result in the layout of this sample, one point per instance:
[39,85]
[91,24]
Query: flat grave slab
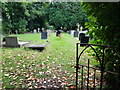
[36,47]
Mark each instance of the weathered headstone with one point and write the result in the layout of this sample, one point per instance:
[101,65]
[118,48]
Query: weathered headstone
[44,35]
[76,34]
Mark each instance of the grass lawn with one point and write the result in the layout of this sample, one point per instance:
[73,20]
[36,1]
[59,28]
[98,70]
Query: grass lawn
[25,68]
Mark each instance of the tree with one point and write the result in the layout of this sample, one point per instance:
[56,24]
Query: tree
[104,29]
[36,15]
[13,19]
[23,16]
[66,14]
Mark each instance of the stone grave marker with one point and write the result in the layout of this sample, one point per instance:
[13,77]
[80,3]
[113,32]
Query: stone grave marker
[81,28]
[38,30]
[81,35]
[69,32]
[35,31]
[72,32]
[44,35]
[84,40]
[12,41]
[49,32]
[76,34]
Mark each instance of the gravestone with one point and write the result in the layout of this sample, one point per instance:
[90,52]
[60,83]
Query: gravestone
[35,31]
[81,28]
[36,47]
[38,30]
[81,35]
[44,35]
[76,34]
[72,32]
[84,40]
[69,32]
[16,31]
[49,32]
[12,41]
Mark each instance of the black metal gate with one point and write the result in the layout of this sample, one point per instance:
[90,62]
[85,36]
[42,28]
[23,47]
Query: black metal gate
[102,70]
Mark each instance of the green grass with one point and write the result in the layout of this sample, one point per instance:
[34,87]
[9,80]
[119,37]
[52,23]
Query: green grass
[23,68]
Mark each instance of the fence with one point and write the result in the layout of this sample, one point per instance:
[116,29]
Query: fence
[90,81]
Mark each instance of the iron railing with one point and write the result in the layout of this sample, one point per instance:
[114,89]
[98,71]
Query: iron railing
[101,69]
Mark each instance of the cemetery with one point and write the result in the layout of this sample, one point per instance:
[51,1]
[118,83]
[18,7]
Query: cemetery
[59,46]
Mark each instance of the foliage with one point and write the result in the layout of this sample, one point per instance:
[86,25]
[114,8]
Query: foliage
[23,16]
[66,14]
[104,29]
[12,20]
[26,16]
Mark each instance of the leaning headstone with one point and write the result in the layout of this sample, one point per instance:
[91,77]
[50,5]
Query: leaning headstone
[81,35]
[76,34]
[44,35]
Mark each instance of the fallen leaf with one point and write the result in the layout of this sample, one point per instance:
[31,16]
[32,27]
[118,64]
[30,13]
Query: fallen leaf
[6,74]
